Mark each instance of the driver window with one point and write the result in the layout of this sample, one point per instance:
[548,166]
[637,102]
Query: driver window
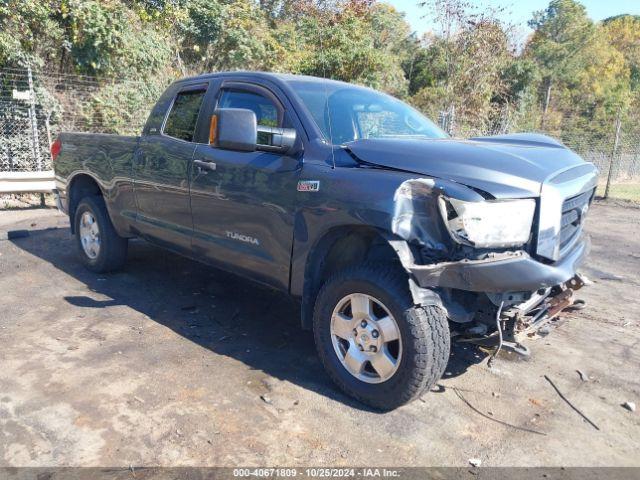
[265,110]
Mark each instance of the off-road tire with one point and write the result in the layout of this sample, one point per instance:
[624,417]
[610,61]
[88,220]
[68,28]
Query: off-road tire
[424,335]
[113,248]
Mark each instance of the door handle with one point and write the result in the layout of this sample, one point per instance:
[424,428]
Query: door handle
[204,165]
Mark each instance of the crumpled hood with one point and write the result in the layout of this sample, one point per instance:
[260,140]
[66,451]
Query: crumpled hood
[505,166]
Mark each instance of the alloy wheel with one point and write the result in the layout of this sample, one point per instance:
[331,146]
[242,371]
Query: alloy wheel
[89,235]
[366,338]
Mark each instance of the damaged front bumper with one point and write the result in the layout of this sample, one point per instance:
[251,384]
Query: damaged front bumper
[516,322]
[523,294]
[513,272]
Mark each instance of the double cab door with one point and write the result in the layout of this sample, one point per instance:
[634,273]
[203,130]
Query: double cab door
[233,209]
[161,170]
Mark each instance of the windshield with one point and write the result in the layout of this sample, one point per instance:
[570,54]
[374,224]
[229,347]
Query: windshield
[346,113]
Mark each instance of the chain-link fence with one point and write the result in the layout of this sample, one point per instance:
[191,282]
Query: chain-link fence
[613,146]
[36,106]
[25,133]
[618,160]
[25,140]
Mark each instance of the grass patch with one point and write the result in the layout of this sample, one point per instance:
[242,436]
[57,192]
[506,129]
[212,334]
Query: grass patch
[622,191]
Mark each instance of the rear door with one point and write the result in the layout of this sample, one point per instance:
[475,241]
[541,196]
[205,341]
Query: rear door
[161,171]
[243,210]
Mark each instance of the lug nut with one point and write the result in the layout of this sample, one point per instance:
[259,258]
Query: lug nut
[375,334]
[361,348]
[363,324]
[355,332]
[373,348]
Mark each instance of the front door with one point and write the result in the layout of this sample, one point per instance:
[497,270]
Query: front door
[161,174]
[243,210]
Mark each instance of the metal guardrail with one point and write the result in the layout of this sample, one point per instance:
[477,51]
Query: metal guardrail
[27,182]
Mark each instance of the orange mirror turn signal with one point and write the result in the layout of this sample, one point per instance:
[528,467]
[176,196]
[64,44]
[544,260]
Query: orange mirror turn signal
[213,129]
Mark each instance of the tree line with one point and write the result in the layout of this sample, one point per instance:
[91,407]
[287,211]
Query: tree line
[570,76]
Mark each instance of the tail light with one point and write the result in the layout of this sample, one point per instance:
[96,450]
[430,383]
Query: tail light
[55,149]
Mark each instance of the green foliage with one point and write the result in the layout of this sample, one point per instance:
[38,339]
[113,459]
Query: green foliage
[519,76]
[353,46]
[122,107]
[28,33]
[585,78]
[572,77]
[623,33]
[108,39]
[563,35]
[466,67]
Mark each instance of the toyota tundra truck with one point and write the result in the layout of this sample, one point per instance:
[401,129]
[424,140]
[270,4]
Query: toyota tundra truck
[394,237]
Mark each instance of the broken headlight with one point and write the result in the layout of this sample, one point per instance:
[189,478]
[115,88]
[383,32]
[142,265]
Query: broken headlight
[492,223]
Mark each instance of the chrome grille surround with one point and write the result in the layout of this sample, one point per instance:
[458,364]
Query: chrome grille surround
[560,195]
[574,210]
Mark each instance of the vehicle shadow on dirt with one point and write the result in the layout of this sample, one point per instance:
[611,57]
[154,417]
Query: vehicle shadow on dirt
[222,312]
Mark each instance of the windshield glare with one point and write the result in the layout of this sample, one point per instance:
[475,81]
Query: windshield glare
[347,113]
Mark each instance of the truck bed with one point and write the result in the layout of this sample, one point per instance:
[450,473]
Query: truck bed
[108,158]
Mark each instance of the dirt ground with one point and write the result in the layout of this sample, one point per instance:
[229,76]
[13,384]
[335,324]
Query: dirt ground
[173,363]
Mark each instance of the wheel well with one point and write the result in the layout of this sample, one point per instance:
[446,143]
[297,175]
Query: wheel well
[337,250]
[81,186]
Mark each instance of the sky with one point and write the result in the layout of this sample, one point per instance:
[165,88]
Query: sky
[519,11]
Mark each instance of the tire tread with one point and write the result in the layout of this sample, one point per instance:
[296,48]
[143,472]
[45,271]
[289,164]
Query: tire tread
[429,336]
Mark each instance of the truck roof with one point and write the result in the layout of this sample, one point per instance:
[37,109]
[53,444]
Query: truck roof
[257,75]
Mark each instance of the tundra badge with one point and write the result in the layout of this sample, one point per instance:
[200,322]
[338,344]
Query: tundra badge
[243,238]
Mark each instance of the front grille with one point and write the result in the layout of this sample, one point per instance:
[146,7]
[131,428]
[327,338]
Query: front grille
[574,210]
[564,199]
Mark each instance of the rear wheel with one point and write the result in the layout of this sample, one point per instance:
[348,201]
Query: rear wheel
[374,342]
[101,249]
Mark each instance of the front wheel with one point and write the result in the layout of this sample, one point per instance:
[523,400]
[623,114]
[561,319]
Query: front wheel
[376,345]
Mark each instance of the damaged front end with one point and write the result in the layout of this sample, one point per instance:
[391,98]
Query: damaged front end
[503,324]
[499,285]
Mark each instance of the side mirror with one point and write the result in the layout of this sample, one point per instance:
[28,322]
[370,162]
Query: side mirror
[237,129]
[234,129]
[273,139]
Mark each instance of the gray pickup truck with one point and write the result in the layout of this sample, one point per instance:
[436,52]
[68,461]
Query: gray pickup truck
[393,236]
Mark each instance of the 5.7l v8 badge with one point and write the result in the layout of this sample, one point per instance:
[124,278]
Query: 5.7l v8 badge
[308,185]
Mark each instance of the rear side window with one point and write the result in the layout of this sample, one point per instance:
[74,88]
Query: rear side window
[181,122]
